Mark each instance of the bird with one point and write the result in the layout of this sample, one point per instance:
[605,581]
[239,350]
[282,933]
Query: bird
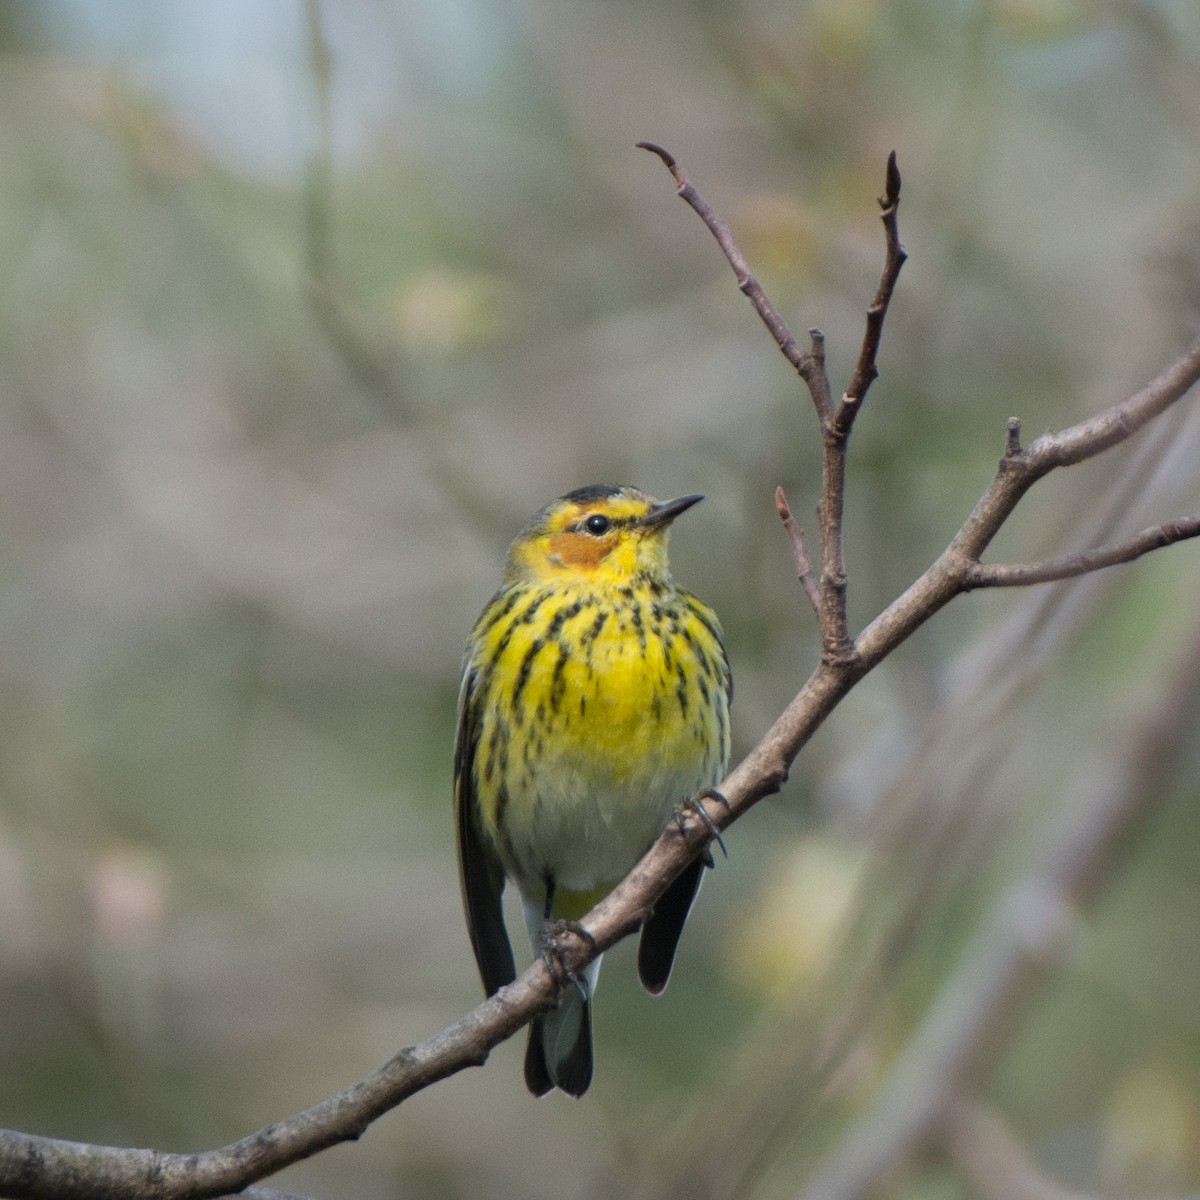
[593,707]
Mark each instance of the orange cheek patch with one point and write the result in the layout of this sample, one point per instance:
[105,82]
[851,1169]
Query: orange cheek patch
[579,549]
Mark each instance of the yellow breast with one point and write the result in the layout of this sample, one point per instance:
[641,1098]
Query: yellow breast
[600,711]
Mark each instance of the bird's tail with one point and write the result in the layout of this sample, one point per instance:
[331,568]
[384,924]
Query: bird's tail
[559,1053]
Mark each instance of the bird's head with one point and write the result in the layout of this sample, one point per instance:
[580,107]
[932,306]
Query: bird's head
[599,534]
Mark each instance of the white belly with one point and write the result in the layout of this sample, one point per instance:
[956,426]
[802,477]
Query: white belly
[588,836]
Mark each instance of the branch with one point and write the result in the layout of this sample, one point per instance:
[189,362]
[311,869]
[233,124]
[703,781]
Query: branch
[1068,566]
[804,569]
[53,1169]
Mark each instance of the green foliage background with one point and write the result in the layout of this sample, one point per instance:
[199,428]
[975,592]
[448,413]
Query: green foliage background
[305,307]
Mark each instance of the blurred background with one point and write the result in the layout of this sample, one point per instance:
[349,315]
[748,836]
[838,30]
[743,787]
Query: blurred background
[307,306]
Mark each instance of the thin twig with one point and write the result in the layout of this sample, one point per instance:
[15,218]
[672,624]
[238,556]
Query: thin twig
[865,370]
[804,363]
[1067,566]
[804,568]
[836,644]
[836,641]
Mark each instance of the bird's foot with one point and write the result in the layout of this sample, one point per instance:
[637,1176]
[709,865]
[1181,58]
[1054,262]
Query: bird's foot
[554,953]
[693,805]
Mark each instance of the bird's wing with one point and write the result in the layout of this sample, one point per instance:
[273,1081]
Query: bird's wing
[479,871]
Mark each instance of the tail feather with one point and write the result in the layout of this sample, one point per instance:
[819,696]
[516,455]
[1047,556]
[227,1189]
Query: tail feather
[537,1073]
[559,1052]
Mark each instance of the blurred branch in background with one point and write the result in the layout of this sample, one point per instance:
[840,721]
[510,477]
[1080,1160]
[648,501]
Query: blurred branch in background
[375,372]
[1077,852]
[377,369]
[992,1161]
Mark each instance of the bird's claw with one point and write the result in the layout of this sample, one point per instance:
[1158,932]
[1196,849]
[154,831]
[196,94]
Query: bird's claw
[692,804]
[554,956]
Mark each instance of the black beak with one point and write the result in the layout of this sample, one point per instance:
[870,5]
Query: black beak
[666,511]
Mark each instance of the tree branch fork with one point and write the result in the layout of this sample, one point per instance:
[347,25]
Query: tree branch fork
[38,1167]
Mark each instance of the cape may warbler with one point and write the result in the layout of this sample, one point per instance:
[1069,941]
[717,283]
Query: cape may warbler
[594,702]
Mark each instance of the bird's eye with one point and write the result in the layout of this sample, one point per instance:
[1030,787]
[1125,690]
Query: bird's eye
[597,523]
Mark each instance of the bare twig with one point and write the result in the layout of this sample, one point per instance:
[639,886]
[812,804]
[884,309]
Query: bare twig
[865,371]
[808,366]
[837,647]
[804,568]
[59,1170]
[836,642]
[1067,566]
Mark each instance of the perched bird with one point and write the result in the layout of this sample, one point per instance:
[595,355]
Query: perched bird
[594,703]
